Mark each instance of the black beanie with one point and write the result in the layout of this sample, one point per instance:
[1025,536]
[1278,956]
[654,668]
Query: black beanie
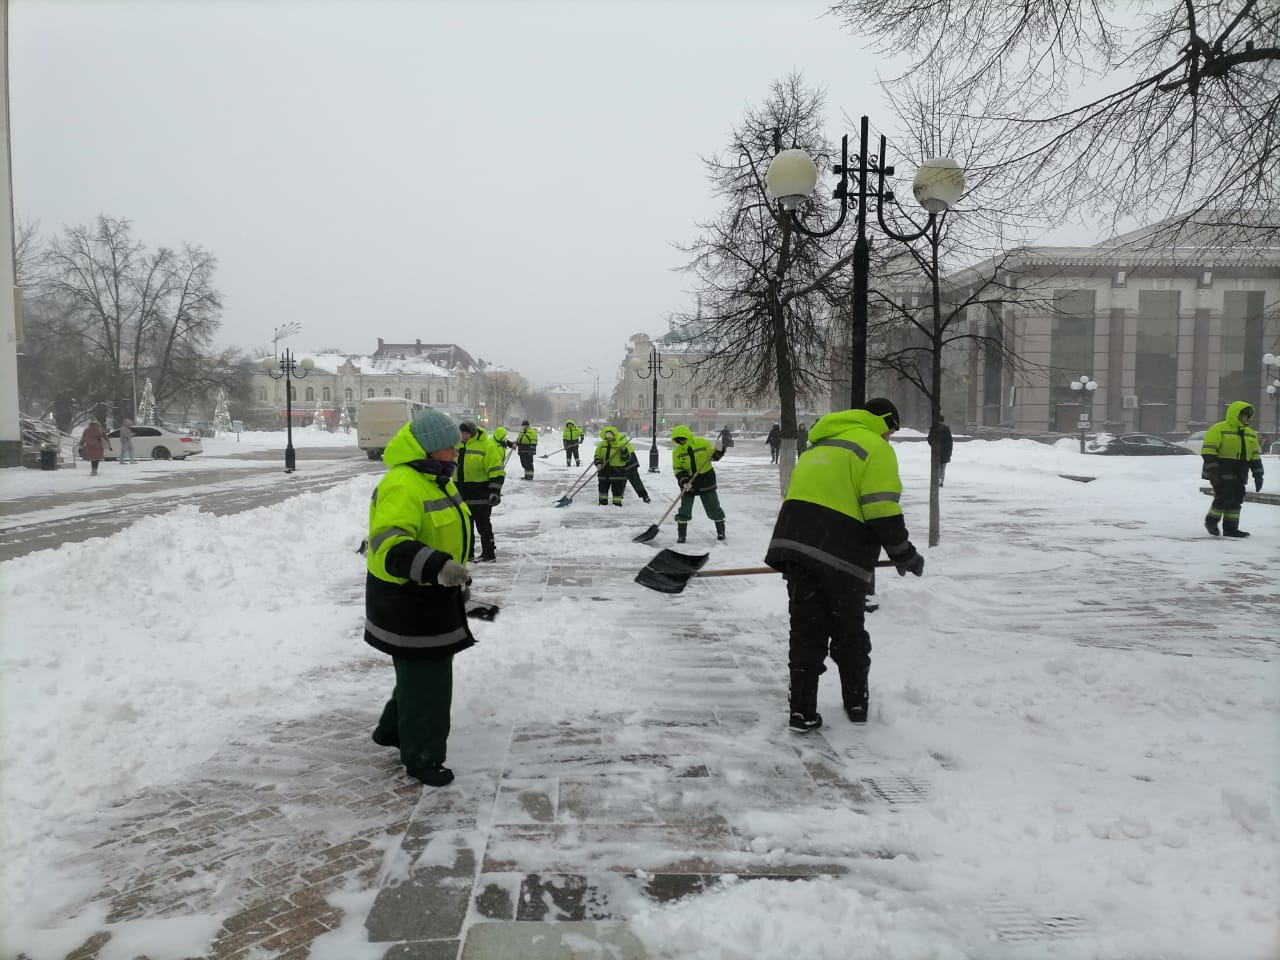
[883,407]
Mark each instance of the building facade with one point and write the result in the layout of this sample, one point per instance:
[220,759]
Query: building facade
[1170,333]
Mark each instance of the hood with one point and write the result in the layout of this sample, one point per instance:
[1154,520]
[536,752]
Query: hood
[403,448]
[570,423]
[681,431]
[842,421]
[1235,409]
[609,435]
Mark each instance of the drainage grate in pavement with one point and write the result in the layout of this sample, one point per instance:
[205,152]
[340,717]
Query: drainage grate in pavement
[1017,923]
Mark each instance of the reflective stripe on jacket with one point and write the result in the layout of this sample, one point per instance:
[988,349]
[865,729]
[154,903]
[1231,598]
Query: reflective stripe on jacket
[692,460]
[1233,446]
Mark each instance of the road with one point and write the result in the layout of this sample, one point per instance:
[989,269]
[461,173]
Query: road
[43,522]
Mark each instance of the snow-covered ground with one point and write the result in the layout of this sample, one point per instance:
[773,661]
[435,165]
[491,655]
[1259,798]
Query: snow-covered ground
[1096,676]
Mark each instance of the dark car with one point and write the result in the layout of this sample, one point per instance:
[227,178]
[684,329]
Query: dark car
[1137,445]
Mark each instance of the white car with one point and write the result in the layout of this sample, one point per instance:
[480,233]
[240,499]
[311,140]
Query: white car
[158,443]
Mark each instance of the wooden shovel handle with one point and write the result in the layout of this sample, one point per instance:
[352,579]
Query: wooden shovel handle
[749,571]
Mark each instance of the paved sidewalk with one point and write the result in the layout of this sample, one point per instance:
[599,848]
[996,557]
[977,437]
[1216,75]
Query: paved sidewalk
[519,858]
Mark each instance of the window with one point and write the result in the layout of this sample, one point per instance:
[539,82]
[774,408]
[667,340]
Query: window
[293,391]
[326,395]
[640,402]
[1155,365]
[408,394]
[1071,346]
[347,394]
[1240,349]
[386,391]
[424,396]
[693,401]
[679,402]
[369,395]
[993,362]
[440,396]
[262,394]
[311,393]
[711,402]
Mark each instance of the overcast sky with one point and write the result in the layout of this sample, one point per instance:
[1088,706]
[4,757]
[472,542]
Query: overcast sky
[507,176]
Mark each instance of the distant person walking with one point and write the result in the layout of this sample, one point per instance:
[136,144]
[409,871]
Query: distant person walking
[726,437]
[526,447]
[774,440]
[126,441]
[415,589]
[94,445]
[572,441]
[1230,451]
[940,440]
[802,438]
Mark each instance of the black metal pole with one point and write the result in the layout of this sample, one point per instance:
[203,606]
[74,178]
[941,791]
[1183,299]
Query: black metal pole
[861,280]
[289,461]
[654,364]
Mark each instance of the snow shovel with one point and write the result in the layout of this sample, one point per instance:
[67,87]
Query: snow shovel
[479,610]
[670,572]
[576,487]
[653,528]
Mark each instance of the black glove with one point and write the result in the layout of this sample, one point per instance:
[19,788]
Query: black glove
[495,499]
[598,462]
[1257,482]
[914,563]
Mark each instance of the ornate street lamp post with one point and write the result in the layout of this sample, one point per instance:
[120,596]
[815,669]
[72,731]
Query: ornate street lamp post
[595,373]
[1272,364]
[1085,385]
[791,179]
[285,368]
[655,373]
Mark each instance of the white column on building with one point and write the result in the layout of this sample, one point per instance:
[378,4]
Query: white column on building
[10,431]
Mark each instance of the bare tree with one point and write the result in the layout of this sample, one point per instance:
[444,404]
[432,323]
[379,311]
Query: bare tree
[502,390]
[763,311]
[139,312]
[1134,116]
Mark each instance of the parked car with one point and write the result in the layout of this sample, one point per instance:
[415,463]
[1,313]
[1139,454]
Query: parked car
[158,443]
[1135,445]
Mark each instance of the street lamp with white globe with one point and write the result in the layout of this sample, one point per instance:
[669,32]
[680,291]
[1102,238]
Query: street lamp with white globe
[1085,385]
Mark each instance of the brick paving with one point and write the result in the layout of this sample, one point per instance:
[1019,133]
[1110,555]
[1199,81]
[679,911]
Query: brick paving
[552,835]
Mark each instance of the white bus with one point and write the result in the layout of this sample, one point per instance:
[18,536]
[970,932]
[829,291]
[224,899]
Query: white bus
[378,419]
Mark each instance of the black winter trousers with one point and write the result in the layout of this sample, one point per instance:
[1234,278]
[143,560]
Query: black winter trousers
[481,522]
[827,617]
[526,461]
[1228,498]
[418,711]
[613,481]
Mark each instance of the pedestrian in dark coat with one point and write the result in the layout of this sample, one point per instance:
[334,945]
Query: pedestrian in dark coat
[726,437]
[94,445]
[414,599]
[774,440]
[802,438]
[940,440]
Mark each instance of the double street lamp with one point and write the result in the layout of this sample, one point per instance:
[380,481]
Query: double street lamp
[1272,363]
[791,179]
[655,373]
[286,368]
[1084,385]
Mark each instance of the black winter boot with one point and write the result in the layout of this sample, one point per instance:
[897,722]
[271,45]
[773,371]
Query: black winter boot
[1231,528]
[719,529]
[436,775]
[854,695]
[804,702]
[682,531]
[1211,524]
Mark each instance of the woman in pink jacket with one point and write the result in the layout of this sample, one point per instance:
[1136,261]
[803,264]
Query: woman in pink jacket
[94,445]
